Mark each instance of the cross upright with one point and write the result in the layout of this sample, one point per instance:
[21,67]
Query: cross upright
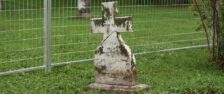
[114,62]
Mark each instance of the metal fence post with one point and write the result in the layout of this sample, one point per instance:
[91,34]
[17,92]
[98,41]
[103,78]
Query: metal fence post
[47,34]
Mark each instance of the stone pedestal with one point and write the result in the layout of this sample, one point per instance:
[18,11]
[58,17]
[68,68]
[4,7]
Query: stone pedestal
[137,87]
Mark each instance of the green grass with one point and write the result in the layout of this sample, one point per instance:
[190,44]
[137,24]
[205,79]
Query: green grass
[168,73]
[155,28]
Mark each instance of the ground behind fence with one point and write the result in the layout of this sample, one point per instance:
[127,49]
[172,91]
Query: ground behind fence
[164,27]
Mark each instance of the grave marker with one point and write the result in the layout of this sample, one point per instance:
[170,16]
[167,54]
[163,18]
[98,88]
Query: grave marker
[115,64]
[84,9]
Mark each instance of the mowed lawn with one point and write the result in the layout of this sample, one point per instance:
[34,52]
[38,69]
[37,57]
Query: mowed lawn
[155,28]
[180,72]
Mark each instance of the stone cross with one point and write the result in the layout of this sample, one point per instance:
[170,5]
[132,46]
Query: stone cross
[114,62]
[84,9]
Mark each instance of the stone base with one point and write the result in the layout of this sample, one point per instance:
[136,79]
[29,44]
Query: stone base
[138,87]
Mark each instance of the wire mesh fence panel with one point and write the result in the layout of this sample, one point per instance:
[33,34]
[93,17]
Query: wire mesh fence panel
[163,26]
[158,25]
[21,27]
[71,36]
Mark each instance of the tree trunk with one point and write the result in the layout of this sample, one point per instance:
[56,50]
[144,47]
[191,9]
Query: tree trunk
[84,9]
[218,29]
[0,5]
[221,34]
[217,21]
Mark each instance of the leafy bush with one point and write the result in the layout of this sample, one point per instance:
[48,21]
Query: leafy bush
[215,17]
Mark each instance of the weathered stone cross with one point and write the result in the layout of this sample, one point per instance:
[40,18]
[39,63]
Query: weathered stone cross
[114,61]
[84,9]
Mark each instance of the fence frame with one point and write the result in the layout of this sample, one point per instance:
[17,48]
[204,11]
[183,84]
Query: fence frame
[47,64]
[47,34]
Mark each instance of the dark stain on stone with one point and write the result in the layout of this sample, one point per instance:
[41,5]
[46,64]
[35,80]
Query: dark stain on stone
[99,22]
[121,47]
[127,77]
[126,60]
[111,88]
[113,75]
[123,50]
[132,63]
[99,50]
[100,70]
[128,26]
[121,21]
[134,75]
[131,78]
[106,13]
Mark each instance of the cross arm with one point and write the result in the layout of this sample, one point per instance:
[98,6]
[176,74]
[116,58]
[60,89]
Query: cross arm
[122,24]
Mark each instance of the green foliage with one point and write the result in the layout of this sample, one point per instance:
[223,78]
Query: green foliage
[220,33]
[200,6]
[201,9]
[212,15]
